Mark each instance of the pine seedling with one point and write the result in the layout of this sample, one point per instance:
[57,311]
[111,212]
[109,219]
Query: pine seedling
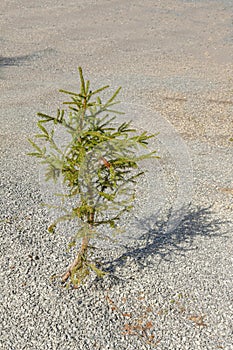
[99,167]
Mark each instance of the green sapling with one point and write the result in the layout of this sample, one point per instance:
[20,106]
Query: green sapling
[98,165]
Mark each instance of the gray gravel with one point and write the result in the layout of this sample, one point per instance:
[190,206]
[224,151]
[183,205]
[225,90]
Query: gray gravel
[169,282]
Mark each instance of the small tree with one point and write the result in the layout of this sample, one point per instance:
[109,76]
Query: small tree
[98,165]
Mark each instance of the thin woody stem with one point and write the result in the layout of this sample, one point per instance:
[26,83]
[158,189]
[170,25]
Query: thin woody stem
[76,261]
[82,252]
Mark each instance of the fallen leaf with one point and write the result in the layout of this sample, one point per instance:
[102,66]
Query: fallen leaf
[149,325]
[198,320]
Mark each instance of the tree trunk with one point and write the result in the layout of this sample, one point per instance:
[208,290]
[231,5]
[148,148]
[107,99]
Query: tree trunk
[82,252]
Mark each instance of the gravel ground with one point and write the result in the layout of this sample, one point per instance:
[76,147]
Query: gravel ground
[170,276]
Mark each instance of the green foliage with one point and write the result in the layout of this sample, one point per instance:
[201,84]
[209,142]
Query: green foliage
[98,164]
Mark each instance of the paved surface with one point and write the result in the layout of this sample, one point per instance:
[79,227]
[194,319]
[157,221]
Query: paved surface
[173,59]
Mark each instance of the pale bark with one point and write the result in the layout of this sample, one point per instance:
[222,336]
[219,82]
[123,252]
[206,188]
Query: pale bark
[77,259]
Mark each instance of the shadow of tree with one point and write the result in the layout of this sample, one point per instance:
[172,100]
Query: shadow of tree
[167,241]
[20,60]
[15,61]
